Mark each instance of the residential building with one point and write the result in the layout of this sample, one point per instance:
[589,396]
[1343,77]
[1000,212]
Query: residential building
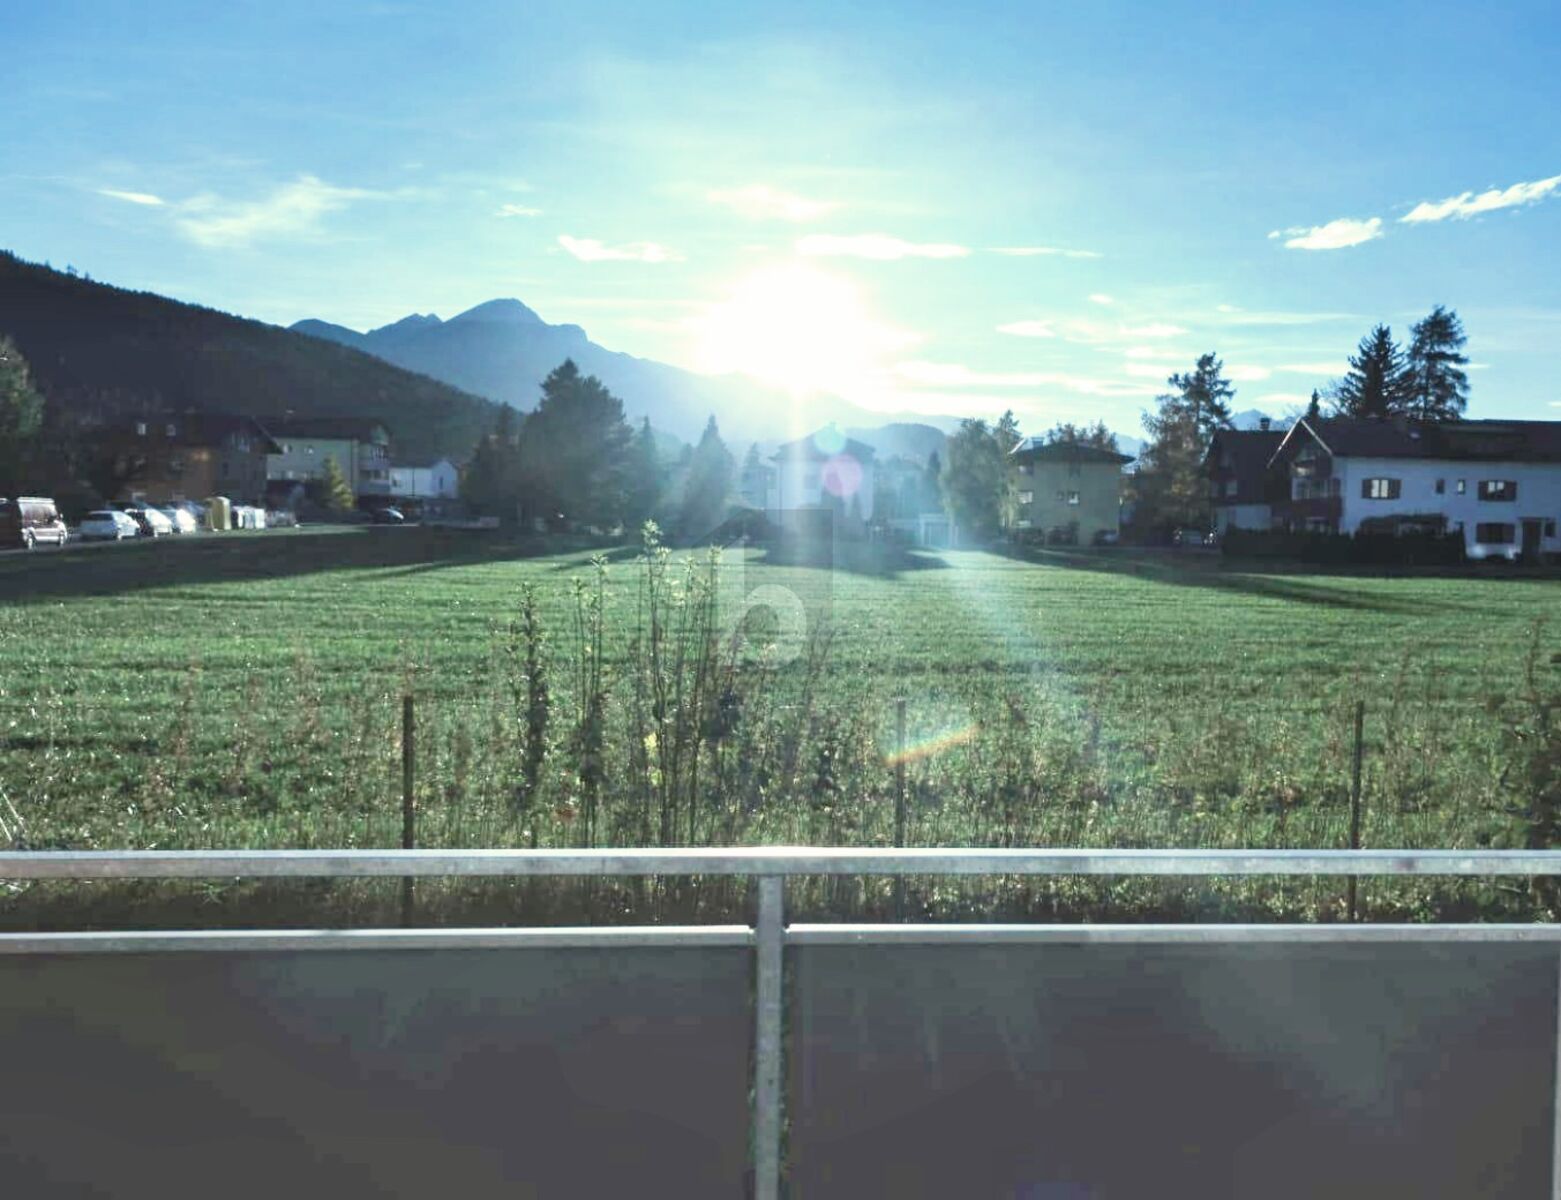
[1498,483]
[823,472]
[359,446]
[1069,491]
[1242,488]
[162,458]
[435,479]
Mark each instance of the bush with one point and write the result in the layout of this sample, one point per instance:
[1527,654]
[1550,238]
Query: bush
[1363,549]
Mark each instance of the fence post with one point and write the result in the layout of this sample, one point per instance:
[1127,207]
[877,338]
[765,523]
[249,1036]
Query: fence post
[899,801]
[408,802]
[770,940]
[1360,727]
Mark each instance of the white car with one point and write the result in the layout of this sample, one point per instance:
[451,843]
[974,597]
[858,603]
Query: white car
[182,520]
[107,525]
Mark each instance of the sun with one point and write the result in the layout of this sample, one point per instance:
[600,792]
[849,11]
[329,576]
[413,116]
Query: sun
[798,328]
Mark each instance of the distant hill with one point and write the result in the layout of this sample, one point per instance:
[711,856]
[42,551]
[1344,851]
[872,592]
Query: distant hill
[902,439]
[97,350]
[503,350]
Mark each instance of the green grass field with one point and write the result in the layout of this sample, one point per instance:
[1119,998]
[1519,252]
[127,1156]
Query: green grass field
[244,690]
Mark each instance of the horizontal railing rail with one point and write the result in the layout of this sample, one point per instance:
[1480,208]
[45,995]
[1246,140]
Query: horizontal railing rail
[769,935]
[760,861]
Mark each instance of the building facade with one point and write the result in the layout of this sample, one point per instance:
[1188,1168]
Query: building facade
[1242,487]
[1069,492]
[361,448]
[168,457]
[436,480]
[1495,483]
[823,472]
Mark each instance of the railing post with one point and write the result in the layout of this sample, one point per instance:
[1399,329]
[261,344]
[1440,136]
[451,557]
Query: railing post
[770,936]
[1555,1116]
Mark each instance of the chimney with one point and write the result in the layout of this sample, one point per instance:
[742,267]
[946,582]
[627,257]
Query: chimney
[1264,422]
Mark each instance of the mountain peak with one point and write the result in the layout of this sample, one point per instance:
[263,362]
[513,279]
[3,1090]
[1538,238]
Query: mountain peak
[409,323]
[500,312]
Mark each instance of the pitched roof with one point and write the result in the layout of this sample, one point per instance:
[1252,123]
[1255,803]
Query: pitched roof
[1249,449]
[1038,449]
[823,444]
[203,428]
[1486,441]
[351,429]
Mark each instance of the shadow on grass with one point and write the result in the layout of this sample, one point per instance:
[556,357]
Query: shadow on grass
[1292,583]
[112,570]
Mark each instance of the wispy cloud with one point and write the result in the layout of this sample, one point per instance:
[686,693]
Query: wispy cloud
[1246,374]
[290,210]
[1043,251]
[760,202]
[938,375]
[1149,370]
[1101,298]
[142,198]
[592,250]
[1230,314]
[1471,204]
[1314,368]
[1030,329]
[880,247]
[1155,329]
[517,210]
[1335,235]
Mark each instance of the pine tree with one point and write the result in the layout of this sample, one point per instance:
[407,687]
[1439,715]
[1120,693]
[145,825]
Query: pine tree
[335,492]
[707,486]
[1069,434]
[1438,388]
[21,417]
[974,479]
[1205,394]
[574,456]
[646,477]
[1377,384]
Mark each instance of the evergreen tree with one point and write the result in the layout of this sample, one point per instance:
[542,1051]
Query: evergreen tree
[493,483]
[574,456]
[1438,388]
[335,493]
[1314,410]
[1204,394]
[974,479]
[21,418]
[1169,489]
[1096,435]
[1377,384]
[1008,437]
[708,485]
[646,478]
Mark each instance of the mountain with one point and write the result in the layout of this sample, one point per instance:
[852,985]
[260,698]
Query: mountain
[902,439]
[1253,419]
[503,350]
[100,351]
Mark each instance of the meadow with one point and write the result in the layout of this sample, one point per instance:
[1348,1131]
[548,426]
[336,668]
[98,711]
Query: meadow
[245,691]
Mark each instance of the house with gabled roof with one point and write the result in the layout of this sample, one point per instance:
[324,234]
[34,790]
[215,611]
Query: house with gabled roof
[1495,483]
[824,472]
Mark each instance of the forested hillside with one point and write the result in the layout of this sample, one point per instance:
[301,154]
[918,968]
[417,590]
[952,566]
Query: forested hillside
[96,351]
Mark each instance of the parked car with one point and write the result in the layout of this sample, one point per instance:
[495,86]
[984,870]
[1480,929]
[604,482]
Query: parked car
[107,525]
[149,521]
[1107,537]
[182,519]
[388,516]
[28,521]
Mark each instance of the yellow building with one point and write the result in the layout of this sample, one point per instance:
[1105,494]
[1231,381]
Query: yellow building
[1069,492]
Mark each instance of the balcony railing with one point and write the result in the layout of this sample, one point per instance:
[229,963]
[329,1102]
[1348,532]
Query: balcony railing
[905,1059]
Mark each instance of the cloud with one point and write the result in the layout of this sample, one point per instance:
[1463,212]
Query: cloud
[1033,329]
[1101,298]
[517,210]
[877,246]
[290,210]
[591,250]
[760,202]
[1468,204]
[1239,374]
[1314,368]
[1038,251]
[1155,329]
[1231,315]
[143,198]
[1335,235]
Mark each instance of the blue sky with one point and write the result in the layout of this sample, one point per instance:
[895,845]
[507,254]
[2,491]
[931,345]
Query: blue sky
[940,208]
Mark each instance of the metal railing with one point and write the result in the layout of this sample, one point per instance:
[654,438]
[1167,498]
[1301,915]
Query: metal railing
[770,935]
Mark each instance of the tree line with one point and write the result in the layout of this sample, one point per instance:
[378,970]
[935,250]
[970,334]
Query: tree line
[575,462]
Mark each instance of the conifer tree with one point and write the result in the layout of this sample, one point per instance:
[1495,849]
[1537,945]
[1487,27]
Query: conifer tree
[1377,383]
[1437,386]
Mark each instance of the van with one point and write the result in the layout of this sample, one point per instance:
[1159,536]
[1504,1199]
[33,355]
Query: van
[28,521]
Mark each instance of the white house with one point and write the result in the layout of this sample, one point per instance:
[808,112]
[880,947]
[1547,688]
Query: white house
[1496,482]
[436,480]
[823,472]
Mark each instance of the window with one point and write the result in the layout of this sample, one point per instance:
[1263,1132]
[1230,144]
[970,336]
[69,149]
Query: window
[140,429]
[1026,497]
[1461,487]
[170,430]
[1073,498]
[1498,489]
[1231,487]
[1441,487]
[1379,489]
[1495,533]
[1550,529]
